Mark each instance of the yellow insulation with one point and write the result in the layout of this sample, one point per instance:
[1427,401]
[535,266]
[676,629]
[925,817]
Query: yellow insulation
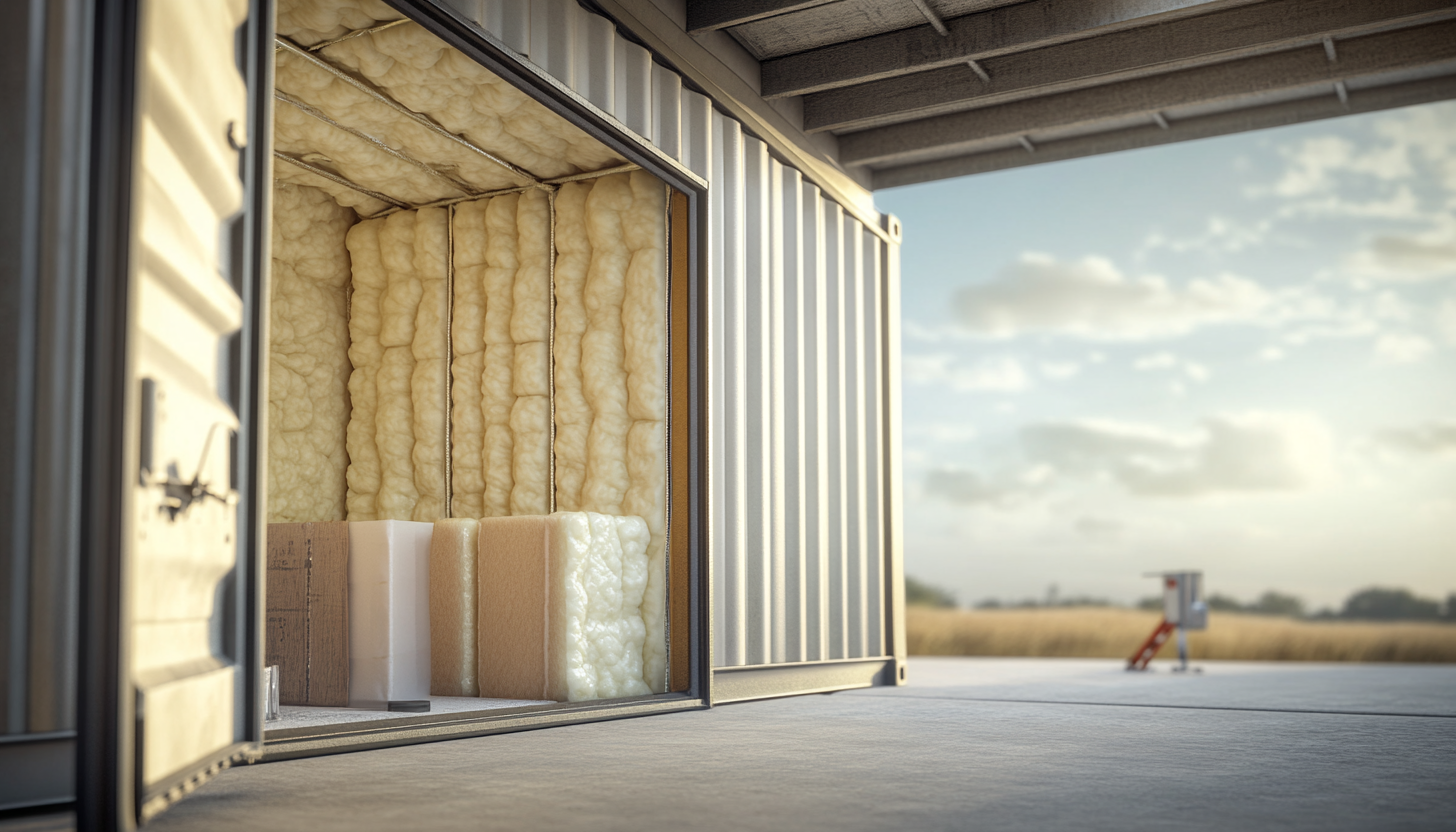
[308,359]
[428,76]
[314,21]
[396,434]
[611,368]
[346,104]
[348,197]
[501,421]
[302,136]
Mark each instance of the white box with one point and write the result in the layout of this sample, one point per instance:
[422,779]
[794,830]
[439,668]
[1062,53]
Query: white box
[389,613]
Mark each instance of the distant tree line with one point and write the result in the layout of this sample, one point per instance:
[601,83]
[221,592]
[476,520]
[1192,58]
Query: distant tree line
[1370,604]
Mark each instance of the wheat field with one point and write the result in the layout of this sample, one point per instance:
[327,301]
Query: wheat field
[1107,632]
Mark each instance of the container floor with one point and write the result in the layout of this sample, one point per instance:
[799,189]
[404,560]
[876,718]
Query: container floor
[1004,744]
[306,716]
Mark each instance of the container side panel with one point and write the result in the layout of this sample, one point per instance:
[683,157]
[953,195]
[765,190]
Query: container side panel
[815,467]
[758,457]
[509,20]
[895,480]
[837,540]
[854,373]
[874,446]
[730,436]
[789,335]
[632,75]
[596,50]
[697,132]
[667,111]
[553,38]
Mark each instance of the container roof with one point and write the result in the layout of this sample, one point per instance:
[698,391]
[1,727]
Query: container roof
[920,90]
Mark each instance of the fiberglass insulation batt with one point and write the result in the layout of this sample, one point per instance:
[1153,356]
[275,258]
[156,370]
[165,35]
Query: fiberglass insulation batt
[308,359]
[611,368]
[453,552]
[501,375]
[397,328]
[560,606]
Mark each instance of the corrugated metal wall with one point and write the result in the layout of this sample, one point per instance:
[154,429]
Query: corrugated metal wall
[797,350]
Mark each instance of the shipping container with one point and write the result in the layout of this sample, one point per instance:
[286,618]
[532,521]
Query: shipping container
[490,365]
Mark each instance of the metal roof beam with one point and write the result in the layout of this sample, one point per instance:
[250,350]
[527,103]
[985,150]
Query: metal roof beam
[707,15]
[945,135]
[1221,124]
[1224,35]
[974,36]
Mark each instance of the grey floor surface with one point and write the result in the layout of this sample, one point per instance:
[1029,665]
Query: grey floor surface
[996,744]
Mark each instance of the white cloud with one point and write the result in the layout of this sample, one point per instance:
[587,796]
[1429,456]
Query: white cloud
[1159,361]
[943,432]
[1091,298]
[1098,527]
[1232,453]
[1421,255]
[1169,361]
[1446,320]
[1002,374]
[1423,440]
[1271,354]
[968,488]
[1055,369]
[1401,348]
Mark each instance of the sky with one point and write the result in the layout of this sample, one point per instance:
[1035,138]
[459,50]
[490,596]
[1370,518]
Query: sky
[1236,355]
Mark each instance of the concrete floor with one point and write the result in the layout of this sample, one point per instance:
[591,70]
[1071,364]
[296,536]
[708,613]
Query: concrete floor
[1005,744]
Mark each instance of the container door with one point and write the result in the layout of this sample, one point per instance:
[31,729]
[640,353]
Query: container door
[189,586]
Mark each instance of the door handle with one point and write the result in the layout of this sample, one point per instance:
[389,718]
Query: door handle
[178,494]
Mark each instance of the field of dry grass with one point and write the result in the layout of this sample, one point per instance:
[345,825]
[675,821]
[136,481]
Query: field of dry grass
[1101,632]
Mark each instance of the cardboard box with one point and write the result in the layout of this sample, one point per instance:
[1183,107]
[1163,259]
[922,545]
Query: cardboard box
[308,612]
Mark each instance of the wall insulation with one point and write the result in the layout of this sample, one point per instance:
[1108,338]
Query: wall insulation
[505,350]
[611,367]
[398,346]
[308,363]
[803,298]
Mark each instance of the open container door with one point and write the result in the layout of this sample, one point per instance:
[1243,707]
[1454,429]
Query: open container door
[174,600]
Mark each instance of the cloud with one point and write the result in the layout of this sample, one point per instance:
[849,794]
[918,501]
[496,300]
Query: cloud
[1446,320]
[1055,369]
[1423,440]
[969,488]
[942,432]
[1091,298]
[1001,374]
[1169,361]
[1097,527]
[1232,453]
[1421,255]
[1401,348]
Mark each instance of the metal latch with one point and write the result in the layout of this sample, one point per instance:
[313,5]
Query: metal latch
[178,495]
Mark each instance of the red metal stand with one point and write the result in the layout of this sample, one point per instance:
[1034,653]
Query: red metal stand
[1144,654]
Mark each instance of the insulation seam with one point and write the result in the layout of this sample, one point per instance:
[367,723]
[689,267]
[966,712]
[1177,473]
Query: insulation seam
[422,120]
[449,357]
[549,186]
[337,179]
[577,177]
[400,155]
[551,350]
[667,243]
[357,32]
